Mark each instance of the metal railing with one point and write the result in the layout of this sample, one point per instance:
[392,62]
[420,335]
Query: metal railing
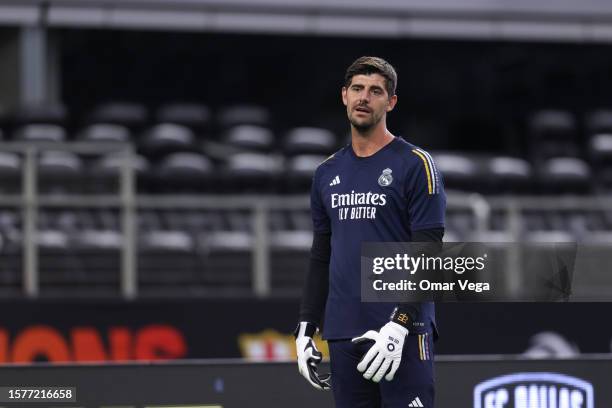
[30,201]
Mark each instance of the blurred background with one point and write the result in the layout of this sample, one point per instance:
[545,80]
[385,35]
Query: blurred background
[156,158]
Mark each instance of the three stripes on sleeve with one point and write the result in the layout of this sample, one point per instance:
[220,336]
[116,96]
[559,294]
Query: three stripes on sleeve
[433,179]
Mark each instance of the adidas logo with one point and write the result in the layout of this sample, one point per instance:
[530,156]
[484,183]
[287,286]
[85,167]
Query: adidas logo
[416,403]
[335,181]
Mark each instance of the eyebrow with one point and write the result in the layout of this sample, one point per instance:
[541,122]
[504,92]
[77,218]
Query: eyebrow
[371,87]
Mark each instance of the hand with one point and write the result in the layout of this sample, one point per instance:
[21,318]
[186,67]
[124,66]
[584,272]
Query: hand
[309,357]
[385,354]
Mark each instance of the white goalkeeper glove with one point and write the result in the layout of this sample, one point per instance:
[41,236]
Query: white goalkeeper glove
[309,357]
[385,354]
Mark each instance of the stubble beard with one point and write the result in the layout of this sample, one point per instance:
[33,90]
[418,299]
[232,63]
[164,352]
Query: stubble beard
[364,127]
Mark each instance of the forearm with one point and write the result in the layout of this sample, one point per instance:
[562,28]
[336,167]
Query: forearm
[316,286]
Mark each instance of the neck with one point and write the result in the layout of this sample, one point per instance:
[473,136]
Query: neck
[369,142]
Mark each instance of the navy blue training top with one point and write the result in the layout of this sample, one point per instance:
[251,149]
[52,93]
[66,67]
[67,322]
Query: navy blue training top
[380,198]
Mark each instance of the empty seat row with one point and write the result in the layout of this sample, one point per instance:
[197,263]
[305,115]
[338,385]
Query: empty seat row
[192,221]
[167,137]
[195,222]
[551,122]
[499,174]
[136,115]
[578,223]
[60,171]
[237,171]
[557,133]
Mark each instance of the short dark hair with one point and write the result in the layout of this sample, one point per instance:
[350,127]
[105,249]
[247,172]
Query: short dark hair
[373,65]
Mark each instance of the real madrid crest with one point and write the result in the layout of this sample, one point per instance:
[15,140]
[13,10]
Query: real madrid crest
[385,178]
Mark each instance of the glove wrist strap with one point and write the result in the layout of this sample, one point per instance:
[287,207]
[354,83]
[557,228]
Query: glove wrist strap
[306,329]
[402,318]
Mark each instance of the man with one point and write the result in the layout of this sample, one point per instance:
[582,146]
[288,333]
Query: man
[378,188]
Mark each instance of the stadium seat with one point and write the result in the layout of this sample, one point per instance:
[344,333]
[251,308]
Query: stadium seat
[166,241]
[252,172]
[600,146]
[564,175]
[111,164]
[508,174]
[105,173]
[192,221]
[58,267]
[250,137]
[305,164]
[165,138]
[295,240]
[300,170]
[52,239]
[98,253]
[10,172]
[309,140]
[600,152]
[460,171]
[42,132]
[556,121]
[545,237]
[98,239]
[184,172]
[218,150]
[132,115]
[599,121]
[289,255]
[243,115]
[227,240]
[59,171]
[195,116]
[553,133]
[461,222]
[227,261]
[105,132]
[167,260]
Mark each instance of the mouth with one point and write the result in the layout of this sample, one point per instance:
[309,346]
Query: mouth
[362,109]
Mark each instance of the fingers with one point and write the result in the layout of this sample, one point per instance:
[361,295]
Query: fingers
[367,336]
[310,374]
[307,366]
[374,366]
[382,370]
[369,356]
[391,373]
[325,381]
[322,383]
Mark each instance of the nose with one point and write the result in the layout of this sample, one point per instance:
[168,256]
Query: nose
[364,96]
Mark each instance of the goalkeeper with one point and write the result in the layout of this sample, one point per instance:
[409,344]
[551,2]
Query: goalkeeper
[379,188]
